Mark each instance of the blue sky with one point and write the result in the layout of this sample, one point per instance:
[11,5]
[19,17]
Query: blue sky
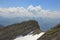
[45,4]
[47,12]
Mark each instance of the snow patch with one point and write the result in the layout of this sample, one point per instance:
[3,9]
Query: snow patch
[30,37]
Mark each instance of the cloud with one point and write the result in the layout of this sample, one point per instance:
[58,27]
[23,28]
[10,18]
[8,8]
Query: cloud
[30,11]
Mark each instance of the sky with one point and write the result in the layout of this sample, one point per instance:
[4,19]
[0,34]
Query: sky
[45,11]
[30,8]
[45,4]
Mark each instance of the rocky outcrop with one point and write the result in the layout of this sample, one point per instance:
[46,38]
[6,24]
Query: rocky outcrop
[20,29]
[52,34]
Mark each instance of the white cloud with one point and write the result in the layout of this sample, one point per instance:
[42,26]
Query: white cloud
[31,11]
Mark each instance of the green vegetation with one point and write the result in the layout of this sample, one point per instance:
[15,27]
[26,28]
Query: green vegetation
[52,34]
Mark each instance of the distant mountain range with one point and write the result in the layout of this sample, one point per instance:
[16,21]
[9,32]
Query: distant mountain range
[1,26]
[52,34]
[10,32]
[44,23]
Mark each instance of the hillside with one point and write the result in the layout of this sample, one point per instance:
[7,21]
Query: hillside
[10,32]
[52,34]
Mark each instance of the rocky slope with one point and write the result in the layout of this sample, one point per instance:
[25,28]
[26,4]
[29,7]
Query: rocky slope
[52,34]
[20,29]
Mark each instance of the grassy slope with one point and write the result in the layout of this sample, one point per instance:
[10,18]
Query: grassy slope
[52,34]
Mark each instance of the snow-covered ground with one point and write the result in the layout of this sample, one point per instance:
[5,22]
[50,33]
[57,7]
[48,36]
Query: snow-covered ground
[30,37]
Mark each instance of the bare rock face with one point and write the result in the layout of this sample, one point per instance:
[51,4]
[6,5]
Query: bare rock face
[52,34]
[12,31]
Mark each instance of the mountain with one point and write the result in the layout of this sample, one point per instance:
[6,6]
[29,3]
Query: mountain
[1,26]
[44,22]
[52,34]
[10,32]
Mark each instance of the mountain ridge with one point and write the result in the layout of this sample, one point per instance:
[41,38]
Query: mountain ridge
[12,31]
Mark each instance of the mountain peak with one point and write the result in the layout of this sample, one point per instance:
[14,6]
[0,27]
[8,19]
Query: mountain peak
[15,30]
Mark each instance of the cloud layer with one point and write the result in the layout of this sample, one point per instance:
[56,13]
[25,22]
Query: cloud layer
[30,11]
[45,18]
